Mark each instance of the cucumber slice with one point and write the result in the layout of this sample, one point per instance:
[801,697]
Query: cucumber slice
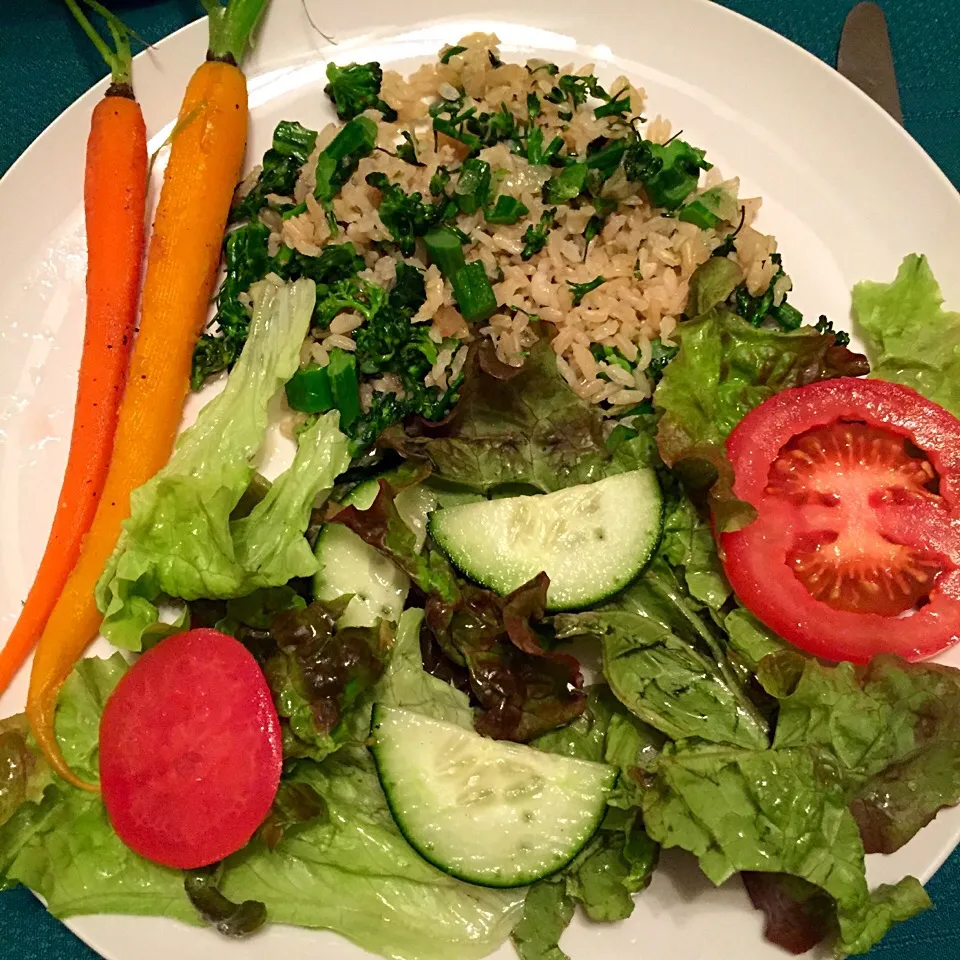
[591,540]
[348,565]
[490,812]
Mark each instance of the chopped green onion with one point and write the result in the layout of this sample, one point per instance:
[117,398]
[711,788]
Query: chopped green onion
[507,210]
[697,213]
[344,387]
[553,149]
[439,181]
[474,292]
[339,161]
[473,187]
[445,250]
[451,52]
[451,130]
[533,106]
[580,290]
[787,316]
[308,390]
[710,208]
[566,185]
[616,106]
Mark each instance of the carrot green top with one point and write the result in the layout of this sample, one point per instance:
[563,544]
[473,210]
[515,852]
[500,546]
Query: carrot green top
[231,26]
[117,57]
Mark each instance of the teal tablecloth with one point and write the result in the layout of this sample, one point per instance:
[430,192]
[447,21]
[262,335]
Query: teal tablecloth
[35,87]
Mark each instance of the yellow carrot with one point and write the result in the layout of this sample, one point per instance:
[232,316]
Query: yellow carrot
[198,184]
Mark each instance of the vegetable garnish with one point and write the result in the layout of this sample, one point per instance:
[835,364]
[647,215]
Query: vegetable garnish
[856,547]
[203,167]
[190,750]
[114,197]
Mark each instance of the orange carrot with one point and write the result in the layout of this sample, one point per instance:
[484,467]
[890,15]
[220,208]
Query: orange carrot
[114,196]
[206,155]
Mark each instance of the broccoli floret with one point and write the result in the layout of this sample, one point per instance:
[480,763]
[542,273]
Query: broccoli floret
[577,89]
[353,294]
[391,343]
[337,261]
[356,88]
[246,261]
[292,145]
[407,151]
[640,164]
[405,215]
[535,237]
[491,128]
[669,172]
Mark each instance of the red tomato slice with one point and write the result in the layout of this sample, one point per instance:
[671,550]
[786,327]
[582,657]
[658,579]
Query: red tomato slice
[190,750]
[856,547]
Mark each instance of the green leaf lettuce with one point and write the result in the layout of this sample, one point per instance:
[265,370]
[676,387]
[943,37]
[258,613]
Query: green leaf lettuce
[179,540]
[910,338]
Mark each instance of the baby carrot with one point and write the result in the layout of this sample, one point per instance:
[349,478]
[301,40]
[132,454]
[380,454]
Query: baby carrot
[114,195]
[206,155]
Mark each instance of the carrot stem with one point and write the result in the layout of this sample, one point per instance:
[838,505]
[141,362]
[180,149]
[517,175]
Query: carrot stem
[118,57]
[231,27]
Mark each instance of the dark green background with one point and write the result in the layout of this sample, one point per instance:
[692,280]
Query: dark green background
[36,85]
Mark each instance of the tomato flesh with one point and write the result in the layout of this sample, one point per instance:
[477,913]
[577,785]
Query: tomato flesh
[833,479]
[190,750]
[856,546]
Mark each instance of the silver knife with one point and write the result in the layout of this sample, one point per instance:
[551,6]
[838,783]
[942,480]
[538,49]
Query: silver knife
[866,58]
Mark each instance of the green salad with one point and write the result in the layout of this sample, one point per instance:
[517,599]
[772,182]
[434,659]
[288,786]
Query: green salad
[475,504]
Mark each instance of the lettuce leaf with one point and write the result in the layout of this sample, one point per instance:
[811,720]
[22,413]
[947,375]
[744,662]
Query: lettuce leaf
[406,684]
[667,665]
[531,429]
[547,912]
[893,728]
[775,811]
[356,875]
[910,338]
[179,540]
[688,543]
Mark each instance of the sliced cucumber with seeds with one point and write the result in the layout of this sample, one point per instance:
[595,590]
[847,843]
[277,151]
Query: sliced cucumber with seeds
[591,540]
[348,565]
[490,812]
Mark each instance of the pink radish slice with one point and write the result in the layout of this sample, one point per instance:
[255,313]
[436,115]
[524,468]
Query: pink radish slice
[190,750]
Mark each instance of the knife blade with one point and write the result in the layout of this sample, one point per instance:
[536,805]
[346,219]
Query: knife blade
[866,57]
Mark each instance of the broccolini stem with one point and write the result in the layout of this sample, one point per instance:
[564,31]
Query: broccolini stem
[231,26]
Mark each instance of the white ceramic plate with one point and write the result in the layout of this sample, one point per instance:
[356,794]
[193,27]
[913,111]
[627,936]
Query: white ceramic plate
[847,193]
